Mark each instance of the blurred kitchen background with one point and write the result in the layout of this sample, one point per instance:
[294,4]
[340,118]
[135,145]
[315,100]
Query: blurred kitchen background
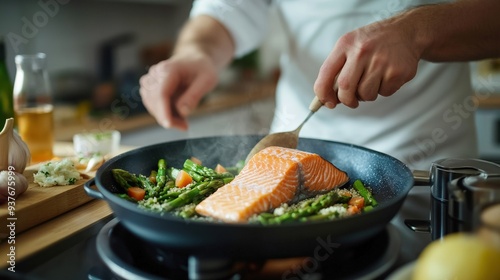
[98,49]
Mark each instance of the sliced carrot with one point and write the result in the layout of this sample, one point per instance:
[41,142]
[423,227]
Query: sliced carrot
[353,209]
[136,193]
[357,201]
[196,160]
[220,169]
[183,179]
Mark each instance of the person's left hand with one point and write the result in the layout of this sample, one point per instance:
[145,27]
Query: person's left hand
[375,59]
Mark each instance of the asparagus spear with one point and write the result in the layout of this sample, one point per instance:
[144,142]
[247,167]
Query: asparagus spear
[194,192]
[302,210]
[188,211]
[168,185]
[196,177]
[206,172]
[172,172]
[164,193]
[125,179]
[152,190]
[365,193]
[161,178]
[169,195]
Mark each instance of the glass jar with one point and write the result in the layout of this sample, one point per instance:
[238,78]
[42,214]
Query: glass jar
[33,106]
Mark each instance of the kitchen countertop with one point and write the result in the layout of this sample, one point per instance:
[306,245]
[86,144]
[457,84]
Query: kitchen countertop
[64,248]
[68,124]
[63,229]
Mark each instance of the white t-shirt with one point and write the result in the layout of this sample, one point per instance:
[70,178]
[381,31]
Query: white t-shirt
[429,118]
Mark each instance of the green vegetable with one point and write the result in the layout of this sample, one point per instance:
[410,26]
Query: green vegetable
[161,178]
[365,193]
[188,211]
[195,192]
[304,210]
[204,172]
[126,197]
[172,172]
[151,189]
[164,196]
[368,208]
[125,179]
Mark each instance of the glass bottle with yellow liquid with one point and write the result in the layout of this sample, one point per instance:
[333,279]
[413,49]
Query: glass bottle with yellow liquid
[33,105]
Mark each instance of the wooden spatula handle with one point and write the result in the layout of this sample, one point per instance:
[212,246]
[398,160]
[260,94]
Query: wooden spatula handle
[315,104]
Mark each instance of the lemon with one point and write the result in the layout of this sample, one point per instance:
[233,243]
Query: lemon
[458,256]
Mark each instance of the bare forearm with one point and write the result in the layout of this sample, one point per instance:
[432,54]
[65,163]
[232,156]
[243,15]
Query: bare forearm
[206,35]
[459,31]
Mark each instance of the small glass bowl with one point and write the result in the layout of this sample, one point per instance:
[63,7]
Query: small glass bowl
[103,143]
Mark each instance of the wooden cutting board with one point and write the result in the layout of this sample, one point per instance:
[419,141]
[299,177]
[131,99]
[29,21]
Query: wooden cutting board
[38,204]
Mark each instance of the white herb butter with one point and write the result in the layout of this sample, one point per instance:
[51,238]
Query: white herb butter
[57,173]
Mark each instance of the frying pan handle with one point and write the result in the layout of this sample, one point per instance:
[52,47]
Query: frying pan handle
[421,178]
[418,225]
[90,191]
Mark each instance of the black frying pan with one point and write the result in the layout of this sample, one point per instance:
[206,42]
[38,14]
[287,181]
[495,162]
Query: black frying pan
[389,178]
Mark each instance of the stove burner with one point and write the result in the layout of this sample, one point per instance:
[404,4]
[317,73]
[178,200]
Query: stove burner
[129,257]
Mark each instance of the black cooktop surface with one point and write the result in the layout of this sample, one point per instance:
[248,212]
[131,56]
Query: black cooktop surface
[129,257]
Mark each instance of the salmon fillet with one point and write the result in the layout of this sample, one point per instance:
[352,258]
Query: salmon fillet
[271,177]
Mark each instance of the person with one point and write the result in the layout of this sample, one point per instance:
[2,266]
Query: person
[347,53]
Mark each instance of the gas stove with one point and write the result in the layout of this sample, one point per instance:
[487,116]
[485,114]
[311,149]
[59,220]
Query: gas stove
[86,258]
[129,257]
[109,251]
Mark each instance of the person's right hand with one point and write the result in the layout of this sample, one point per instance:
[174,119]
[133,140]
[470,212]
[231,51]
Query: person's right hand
[373,60]
[172,89]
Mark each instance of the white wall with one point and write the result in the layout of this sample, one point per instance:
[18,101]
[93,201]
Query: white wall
[70,31]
